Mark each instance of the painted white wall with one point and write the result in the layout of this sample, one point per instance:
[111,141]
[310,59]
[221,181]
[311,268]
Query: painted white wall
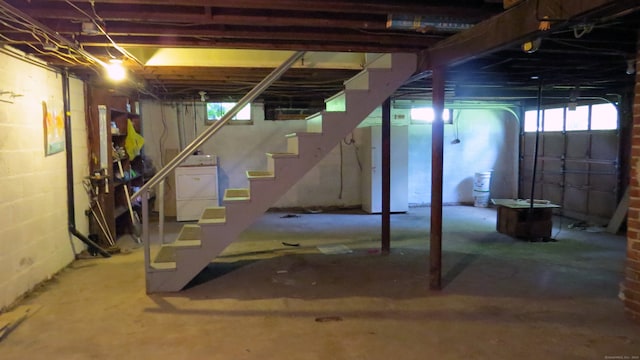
[488,142]
[242,147]
[34,240]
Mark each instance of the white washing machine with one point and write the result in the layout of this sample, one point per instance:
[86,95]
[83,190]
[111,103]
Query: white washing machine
[196,186]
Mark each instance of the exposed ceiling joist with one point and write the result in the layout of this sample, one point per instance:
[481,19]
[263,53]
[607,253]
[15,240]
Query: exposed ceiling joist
[593,55]
[516,24]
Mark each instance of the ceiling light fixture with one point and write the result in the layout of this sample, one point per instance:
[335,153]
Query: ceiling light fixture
[573,98]
[631,69]
[203,98]
[115,70]
[531,46]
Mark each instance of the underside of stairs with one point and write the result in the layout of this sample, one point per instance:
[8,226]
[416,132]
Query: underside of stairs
[198,244]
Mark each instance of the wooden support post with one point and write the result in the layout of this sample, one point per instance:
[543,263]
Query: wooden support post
[386,176]
[437,135]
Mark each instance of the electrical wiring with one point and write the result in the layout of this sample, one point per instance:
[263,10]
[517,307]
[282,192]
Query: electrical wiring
[32,31]
[352,141]
[40,36]
[70,59]
[348,142]
[164,134]
[101,29]
[195,120]
[93,8]
[27,28]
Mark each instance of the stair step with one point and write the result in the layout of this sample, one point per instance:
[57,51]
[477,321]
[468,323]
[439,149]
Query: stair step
[280,159]
[384,61]
[362,81]
[303,134]
[275,155]
[213,215]
[260,174]
[294,140]
[164,266]
[237,195]
[338,103]
[314,122]
[167,253]
[312,116]
[189,232]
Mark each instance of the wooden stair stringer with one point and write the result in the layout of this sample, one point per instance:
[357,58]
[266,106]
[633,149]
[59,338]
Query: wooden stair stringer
[286,170]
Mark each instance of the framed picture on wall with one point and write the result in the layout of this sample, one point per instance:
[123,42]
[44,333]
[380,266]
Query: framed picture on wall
[53,124]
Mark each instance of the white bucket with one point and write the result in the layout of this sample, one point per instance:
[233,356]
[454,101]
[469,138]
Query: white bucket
[481,187]
[482,181]
[481,198]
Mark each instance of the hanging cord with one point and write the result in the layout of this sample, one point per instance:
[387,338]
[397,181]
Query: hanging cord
[350,141]
[164,134]
[535,154]
[535,147]
[341,174]
[456,140]
[195,120]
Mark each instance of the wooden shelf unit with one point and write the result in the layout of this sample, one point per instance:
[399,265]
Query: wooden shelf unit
[111,192]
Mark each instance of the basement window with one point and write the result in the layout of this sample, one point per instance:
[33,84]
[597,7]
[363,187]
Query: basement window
[553,120]
[425,115]
[530,121]
[604,117]
[216,110]
[581,118]
[578,119]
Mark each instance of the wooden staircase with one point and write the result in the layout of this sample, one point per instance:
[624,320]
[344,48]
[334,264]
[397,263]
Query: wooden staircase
[179,262]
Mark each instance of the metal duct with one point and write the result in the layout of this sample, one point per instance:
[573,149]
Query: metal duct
[426,24]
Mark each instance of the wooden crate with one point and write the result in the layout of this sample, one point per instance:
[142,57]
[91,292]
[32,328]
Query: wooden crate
[523,223]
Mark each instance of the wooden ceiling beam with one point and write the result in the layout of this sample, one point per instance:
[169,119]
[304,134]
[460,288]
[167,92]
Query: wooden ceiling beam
[306,73]
[247,44]
[515,25]
[331,6]
[253,44]
[376,22]
[213,38]
[247,39]
[146,32]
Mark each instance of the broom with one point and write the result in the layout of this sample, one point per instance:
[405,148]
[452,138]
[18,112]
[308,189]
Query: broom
[135,221]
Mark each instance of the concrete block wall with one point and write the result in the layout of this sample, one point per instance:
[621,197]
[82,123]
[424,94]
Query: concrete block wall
[631,284]
[34,241]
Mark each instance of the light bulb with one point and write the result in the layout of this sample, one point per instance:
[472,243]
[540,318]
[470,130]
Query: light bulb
[115,70]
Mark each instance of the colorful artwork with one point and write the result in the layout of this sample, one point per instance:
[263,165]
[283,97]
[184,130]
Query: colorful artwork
[53,122]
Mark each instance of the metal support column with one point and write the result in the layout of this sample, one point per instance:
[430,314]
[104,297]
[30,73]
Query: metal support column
[386,176]
[437,135]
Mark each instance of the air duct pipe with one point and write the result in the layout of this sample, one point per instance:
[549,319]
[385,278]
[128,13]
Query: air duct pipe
[426,24]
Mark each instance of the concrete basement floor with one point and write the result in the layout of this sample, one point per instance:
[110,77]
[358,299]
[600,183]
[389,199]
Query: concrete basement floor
[503,298]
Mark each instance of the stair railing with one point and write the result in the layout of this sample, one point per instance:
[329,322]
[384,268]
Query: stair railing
[144,191]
